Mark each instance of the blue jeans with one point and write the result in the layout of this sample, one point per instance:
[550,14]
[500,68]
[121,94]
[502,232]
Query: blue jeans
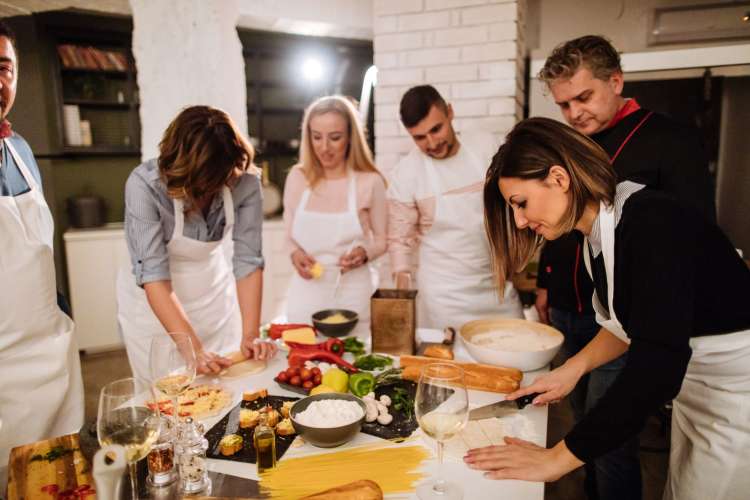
[616,475]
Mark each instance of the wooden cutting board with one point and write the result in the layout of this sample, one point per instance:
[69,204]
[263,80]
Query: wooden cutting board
[30,468]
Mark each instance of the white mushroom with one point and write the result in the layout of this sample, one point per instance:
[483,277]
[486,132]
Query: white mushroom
[369,395]
[372,410]
[385,418]
[384,399]
[382,409]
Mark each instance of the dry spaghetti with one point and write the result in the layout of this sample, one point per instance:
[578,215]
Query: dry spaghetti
[394,468]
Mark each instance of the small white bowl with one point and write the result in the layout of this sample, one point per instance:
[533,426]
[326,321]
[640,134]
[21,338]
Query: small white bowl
[532,346]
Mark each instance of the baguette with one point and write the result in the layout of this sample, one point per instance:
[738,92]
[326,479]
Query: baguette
[476,376]
[363,489]
[439,352]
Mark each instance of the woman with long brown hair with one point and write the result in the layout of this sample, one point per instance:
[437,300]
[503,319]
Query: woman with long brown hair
[670,290]
[185,211]
[335,214]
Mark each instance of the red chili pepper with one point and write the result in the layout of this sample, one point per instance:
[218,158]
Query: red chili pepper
[81,489]
[50,488]
[87,493]
[297,357]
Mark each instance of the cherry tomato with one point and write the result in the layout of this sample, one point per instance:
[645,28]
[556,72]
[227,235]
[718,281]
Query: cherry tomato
[282,377]
[307,384]
[317,379]
[297,370]
[315,370]
[290,372]
[295,380]
[305,374]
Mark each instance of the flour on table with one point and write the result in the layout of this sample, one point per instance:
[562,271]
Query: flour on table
[487,432]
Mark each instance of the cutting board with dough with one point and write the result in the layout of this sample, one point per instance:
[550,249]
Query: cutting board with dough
[57,461]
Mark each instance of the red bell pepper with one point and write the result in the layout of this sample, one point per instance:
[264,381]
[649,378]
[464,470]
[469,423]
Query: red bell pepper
[332,345]
[297,357]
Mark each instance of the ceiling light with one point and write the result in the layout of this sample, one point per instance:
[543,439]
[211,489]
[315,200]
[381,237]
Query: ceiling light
[312,69]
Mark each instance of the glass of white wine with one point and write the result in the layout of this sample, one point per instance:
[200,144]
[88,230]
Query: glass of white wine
[125,419]
[173,366]
[442,409]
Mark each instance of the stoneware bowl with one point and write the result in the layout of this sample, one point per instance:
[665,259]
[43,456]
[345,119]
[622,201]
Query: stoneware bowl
[327,437]
[335,329]
[525,345]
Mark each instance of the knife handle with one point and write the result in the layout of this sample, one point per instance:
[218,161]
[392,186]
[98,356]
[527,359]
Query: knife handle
[525,401]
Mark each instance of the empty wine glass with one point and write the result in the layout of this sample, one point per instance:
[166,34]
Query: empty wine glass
[124,419]
[173,365]
[442,409]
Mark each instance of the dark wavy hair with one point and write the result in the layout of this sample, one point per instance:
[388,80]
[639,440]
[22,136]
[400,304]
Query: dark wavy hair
[417,102]
[530,150]
[201,152]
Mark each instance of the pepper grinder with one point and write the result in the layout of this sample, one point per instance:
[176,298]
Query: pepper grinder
[191,449]
[160,460]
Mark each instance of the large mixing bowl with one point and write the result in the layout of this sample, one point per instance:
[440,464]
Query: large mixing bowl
[335,329]
[515,343]
[327,437]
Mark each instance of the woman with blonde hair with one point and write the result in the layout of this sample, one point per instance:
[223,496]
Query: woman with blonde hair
[669,289]
[184,211]
[335,214]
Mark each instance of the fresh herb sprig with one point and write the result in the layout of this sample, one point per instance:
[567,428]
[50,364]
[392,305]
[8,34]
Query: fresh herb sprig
[354,346]
[388,377]
[403,402]
[53,454]
[373,362]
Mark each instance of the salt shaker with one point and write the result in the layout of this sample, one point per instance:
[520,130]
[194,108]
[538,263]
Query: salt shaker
[161,469]
[191,449]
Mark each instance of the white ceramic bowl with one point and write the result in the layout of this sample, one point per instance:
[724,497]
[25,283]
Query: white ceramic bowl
[525,345]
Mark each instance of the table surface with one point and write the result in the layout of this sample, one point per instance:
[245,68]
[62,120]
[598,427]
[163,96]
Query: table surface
[474,484]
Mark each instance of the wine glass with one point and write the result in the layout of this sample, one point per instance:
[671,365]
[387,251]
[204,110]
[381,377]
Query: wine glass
[125,419]
[442,409]
[173,365]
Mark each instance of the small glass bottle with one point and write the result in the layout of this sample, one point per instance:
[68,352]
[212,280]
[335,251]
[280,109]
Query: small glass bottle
[191,457]
[161,470]
[264,440]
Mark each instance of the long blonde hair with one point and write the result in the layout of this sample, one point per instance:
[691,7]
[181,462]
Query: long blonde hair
[358,154]
[530,150]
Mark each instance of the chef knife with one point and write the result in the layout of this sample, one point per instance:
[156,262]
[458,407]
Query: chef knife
[501,408]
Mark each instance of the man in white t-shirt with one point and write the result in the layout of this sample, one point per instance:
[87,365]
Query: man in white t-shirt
[436,234]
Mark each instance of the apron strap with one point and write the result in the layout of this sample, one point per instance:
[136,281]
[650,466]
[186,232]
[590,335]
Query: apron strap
[351,196]
[25,172]
[226,194]
[179,217]
[629,136]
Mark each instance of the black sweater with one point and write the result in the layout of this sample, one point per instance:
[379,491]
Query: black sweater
[663,155]
[676,276]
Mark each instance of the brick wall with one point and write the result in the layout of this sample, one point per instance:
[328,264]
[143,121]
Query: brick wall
[472,51]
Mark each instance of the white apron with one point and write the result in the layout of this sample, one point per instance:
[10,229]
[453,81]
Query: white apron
[454,272]
[327,237]
[41,392]
[710,442]
[203,281]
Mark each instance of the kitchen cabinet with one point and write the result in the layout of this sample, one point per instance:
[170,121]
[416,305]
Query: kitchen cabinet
[95,256]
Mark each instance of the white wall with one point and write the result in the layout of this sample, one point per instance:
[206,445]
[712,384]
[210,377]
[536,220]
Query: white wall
[187,52]
[470,50]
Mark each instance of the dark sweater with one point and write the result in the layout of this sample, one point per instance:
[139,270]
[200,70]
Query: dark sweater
[676,276]
[663,155]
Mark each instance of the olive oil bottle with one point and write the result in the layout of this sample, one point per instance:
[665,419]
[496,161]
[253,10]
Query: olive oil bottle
[264,440]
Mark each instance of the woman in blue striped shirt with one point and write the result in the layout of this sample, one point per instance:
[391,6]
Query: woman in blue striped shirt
[186,212]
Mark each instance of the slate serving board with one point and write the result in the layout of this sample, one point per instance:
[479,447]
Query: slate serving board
[230,424]
[401,426]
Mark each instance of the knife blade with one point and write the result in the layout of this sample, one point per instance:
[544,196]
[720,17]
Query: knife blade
[501,408]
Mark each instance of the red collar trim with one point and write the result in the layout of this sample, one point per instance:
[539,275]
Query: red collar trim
[631,106]
[5,130]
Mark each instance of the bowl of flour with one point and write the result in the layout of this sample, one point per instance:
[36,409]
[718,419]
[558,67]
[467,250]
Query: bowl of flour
[515,343]
[328,420]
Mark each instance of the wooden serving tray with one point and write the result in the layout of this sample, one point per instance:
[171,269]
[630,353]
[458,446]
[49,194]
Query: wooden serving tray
[33,466]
